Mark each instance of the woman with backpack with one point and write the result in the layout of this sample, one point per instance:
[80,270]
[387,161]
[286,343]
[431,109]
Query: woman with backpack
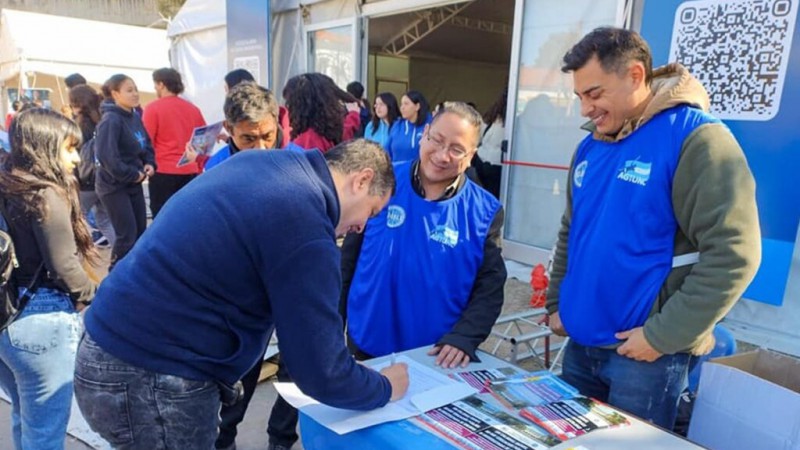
[40,204]
[126,160]
[85,103]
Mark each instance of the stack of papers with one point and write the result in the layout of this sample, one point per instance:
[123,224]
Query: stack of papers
[427,390]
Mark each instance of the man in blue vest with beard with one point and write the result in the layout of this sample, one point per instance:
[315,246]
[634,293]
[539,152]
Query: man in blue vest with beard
[660,236]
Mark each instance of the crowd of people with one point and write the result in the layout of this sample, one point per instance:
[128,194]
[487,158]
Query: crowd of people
[243,244]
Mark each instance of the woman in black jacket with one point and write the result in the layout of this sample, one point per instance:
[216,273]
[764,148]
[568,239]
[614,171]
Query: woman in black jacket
[85,104]
[40,203]
[126,160]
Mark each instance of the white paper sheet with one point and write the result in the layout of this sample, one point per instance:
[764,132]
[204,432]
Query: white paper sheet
[428,389]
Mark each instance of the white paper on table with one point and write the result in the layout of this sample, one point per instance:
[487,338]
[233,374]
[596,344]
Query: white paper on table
[428,389]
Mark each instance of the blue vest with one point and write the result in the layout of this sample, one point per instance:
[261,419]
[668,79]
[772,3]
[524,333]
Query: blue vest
[217,158]
[623,227]
[417,266]
[404,139]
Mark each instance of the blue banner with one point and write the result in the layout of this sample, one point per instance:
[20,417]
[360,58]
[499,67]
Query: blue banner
[248,27]
[746,53]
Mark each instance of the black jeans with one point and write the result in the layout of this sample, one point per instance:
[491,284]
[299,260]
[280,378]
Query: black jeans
[163,186]
[233,415]
[126,209]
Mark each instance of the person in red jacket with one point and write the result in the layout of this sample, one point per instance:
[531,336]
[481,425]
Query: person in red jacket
[169,121]
[321,114]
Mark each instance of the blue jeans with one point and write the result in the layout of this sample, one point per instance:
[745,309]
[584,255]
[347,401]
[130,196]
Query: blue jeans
[90,201]
[133,408]
[647,390]
[37,358]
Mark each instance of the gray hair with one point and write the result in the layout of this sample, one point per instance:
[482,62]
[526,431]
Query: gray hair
[250,102]
[353,156]
[465,112]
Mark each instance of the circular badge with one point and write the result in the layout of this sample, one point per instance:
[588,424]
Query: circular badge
[395,216]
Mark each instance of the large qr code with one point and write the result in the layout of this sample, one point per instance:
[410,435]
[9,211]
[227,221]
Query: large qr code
[251,64]
[739,50]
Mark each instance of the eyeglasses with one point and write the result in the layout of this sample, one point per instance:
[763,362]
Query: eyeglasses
[457,153]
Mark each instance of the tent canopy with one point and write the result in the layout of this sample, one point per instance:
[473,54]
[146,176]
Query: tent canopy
[195,16]
[96,50]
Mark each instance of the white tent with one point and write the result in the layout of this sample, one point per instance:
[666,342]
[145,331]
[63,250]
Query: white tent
[43,45]
[199,46]
[199,52]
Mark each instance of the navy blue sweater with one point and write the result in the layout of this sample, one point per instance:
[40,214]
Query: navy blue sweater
[123,148]
[248,244]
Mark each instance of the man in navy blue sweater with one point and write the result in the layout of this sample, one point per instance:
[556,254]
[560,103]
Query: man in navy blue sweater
[188,311]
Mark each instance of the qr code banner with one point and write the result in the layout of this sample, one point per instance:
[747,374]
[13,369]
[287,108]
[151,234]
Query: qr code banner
[739,50]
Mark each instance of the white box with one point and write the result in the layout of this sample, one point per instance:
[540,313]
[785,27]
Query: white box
[748,401]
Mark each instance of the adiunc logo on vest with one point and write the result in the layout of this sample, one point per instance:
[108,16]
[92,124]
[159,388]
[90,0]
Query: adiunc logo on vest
[635,171]
[580,171]
[445,235]
[395,216]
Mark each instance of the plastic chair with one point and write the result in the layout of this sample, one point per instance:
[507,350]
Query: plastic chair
[725,346]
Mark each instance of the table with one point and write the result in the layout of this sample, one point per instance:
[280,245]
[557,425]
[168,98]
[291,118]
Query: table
[406,434]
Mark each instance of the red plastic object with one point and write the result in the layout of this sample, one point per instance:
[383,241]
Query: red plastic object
[539,283]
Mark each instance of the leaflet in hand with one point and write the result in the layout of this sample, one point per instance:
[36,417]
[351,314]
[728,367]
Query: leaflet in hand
[474,424]
[530,389]
[202,140]
[574,417]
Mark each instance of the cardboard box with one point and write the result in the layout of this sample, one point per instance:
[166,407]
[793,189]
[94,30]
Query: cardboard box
[748,401]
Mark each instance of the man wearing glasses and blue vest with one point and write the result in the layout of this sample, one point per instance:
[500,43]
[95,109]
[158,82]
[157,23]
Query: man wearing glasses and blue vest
[429,269]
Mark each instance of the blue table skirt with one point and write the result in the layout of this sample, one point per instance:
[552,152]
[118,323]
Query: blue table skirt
[400,435]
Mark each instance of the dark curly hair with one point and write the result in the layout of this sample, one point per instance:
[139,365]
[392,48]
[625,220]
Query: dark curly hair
[37,136]
[313,101]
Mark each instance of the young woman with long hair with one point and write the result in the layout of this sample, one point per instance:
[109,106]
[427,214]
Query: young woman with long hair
[40,200]
[386,114]
[85,104]
[126,159]
[406,133]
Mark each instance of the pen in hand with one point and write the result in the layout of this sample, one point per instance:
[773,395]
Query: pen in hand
[394,359]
